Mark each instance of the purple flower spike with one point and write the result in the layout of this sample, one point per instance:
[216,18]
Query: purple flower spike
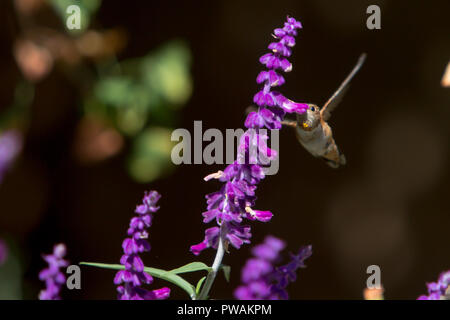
[235,200]
[269,249]
[53,277]
[131,279]
[277,60]
[255,274]
[439,290]
[261,279]
[288,273]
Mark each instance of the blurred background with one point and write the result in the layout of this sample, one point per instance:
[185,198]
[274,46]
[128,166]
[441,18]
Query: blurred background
[86,117]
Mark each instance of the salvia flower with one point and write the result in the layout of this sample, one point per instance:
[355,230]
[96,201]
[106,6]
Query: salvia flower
[235,201]
[10,146]
[439,290]
[256,272]
[288,273]
[131,279]
[262,279]
[52,275]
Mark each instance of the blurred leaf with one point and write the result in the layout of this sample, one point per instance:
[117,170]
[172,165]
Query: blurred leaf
[114,91]
[139,87]
[87,8]
[150,154]
[131,121]
[140,93]
[11,275]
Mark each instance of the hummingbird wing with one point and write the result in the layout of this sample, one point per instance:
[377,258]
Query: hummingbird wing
[337,96]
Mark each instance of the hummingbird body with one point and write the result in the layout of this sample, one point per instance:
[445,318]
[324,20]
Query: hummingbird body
[316,136]
[312,129]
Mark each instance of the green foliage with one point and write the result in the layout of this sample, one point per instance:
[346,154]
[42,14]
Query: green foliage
[167,73]
[191,267]
[149,157]
[170,276]
[140,96]
[157,273]
[198,287]
[11,274]
[139,88]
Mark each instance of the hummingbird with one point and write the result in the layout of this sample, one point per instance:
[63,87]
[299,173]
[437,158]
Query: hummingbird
[312,129]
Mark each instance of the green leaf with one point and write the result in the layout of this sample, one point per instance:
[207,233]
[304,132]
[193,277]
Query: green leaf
[157,273]
[199,285]
[226,271]
[191,267]
[166,72]
[115,90]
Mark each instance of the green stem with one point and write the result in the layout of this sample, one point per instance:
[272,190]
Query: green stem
[203,295]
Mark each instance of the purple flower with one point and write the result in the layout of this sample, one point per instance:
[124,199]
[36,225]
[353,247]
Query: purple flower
[3,252]
[234,202]
[53,277]
[261,279]
[288,273]
[10,146]
[131,279]
[269,117]
[255,275]
[439,290]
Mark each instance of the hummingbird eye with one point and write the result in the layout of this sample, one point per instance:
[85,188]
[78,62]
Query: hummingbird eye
[313,109]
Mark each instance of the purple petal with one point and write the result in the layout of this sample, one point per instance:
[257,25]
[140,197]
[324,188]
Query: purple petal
[263,216]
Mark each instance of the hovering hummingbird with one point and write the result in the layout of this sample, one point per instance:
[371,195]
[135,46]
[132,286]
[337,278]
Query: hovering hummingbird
[312,129]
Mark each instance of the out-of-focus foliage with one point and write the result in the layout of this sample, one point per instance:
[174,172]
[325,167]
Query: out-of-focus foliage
[11,274]
[87,8]
[138,90]
[140,97]
[136,98]
[150,154]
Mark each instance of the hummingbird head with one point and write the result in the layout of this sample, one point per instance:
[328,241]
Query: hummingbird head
[310,119]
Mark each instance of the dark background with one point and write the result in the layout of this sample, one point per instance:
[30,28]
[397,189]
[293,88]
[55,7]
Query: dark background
[389,205]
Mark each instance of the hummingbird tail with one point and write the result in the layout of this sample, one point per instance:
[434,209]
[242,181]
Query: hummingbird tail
[336,163]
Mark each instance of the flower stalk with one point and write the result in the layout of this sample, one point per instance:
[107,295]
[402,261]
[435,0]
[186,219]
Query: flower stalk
[236,199]
[203,295]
